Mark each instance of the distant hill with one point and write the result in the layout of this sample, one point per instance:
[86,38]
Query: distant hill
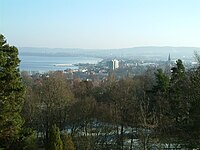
[137,52]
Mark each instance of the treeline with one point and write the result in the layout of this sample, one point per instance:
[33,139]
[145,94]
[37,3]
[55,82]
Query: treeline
[149,111]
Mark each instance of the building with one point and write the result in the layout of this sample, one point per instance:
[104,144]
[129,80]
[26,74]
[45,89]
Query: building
[168,66]
[114,64]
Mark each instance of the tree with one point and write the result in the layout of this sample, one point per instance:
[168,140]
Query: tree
[11,95]
[55,97]
[178,72]
[178,93]
[162,81]
[55,142]
[197,57]
[121,99]
[67,142]
[160,98]
[193,128]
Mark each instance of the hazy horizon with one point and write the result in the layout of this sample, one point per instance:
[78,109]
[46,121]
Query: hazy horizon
[100,24]
[110,48]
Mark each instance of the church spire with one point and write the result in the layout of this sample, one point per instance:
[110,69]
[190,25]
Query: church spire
[169,58]
[168,66]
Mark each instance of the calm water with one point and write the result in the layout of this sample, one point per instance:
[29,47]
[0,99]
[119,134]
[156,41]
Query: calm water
[46,63]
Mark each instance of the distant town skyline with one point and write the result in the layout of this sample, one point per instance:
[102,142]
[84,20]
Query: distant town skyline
[100,24]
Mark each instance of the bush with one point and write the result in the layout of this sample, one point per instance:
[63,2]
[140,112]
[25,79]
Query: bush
[67,142]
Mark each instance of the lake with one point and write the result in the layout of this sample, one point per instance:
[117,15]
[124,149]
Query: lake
[52,63]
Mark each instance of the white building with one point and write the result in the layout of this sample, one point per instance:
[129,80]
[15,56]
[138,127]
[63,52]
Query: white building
[114,64]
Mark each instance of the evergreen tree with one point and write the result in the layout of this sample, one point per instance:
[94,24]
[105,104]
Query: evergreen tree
[178,91]
[193,128]
[11,95]
[178,72]
[160,97]
[55,142]
[162,82]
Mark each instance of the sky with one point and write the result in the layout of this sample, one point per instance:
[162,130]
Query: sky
[99,24]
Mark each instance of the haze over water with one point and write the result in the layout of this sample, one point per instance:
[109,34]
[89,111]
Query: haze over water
[47,63]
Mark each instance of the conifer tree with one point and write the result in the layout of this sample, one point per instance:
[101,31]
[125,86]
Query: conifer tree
[55,142]
[178,90]
[11,95]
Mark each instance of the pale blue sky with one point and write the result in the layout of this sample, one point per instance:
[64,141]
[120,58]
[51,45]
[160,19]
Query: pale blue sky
[100,23]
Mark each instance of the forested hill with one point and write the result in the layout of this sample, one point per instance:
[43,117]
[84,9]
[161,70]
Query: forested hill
[153,51]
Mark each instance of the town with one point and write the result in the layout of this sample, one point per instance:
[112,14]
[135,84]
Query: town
[118,68]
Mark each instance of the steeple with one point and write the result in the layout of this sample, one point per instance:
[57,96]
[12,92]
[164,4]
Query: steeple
[169,58]
[168,66]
